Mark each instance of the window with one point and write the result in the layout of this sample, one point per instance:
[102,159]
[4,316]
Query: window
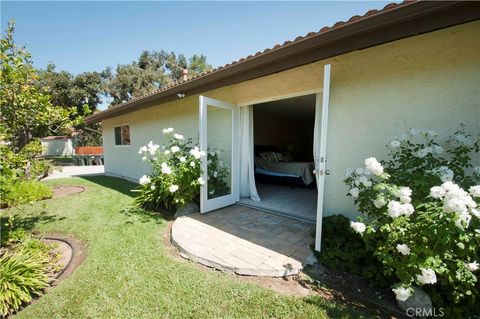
[122,135]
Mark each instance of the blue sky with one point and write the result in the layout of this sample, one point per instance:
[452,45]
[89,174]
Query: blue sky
[88,36]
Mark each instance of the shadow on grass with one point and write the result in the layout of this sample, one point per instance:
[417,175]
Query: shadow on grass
[120,185]
[147,215]
[22,222]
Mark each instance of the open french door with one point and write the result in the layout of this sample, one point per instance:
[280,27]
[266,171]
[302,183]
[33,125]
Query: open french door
[320,150]
[219,139]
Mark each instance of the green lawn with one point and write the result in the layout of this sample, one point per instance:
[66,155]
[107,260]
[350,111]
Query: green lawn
[129,274]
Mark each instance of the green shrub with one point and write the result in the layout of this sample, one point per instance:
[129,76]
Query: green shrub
[24,268]
[176,174]
[343,249]
[17,192]
[420,216]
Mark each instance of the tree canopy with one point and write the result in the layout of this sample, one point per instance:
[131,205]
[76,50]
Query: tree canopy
[25,107]
[152,71]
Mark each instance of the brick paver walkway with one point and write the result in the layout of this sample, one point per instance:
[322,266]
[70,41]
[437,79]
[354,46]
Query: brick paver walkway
[244,241]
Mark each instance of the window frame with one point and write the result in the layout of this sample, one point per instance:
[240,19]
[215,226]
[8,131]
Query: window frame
[121,135]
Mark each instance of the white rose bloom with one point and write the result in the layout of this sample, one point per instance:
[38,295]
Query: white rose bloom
[437,149]
[175,149]
[402,294]
[195,152]
[165,131]
[463,220]
[215,174]
[395,144]
[374,166]
[354,192]
[403,249]
[379,202]
[152,187]
[421,153]
[474,191]
[454,205]
[167,152]
[364,180]
[396,209]
[403,137]
[358,227]
[428,276]
[178,136]
[173,188]
[142,149]
[415,131]
[212,153]
[461,140]
[359,171]
[431,134]
[201,181]
[192,164]
[437,192]
[405,200]
[475,212]
[144,158]
[170,129]
[144,180]
[152,148]
[183,159]
[166,170]
[472,266]
[349,172]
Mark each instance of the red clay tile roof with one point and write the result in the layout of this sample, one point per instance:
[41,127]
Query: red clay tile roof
[297,41]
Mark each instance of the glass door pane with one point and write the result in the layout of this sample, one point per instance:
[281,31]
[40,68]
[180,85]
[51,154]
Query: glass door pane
[219,140]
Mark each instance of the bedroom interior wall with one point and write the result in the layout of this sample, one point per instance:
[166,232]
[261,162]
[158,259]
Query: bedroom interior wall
[272,129]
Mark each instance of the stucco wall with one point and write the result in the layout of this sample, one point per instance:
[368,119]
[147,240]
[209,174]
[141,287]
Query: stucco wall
[431,80]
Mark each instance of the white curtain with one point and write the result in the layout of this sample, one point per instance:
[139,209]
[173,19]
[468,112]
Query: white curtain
[247,176]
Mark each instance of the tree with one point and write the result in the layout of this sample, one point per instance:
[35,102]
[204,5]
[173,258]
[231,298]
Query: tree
[152,71]
[25,108]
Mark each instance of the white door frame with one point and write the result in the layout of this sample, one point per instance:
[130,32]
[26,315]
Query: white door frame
[206,204]
[321,161]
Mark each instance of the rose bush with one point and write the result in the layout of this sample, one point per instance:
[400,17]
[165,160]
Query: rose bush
[420,216]
[175,178]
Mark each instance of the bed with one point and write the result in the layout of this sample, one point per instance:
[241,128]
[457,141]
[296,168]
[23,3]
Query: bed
[275,171]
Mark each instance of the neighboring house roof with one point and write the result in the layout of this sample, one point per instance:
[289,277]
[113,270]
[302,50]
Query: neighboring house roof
[393,22]
[49,138]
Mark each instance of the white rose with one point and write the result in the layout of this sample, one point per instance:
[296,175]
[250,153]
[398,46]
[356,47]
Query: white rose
[201,181]
[192,164]
[183,159]
[472,266]
[173,188]
[402,294]
[379,202]
[403,249]
[463,220]
[358,227]
[437,192]
[170,129]
[152,187]
[144,180]
[144,158]
[178,136]
[354,192]
[166,170]
[395,144]
[142,149]
[215,174]
[475,212]
[474,191]
[437,149]
[165,131]
[167,152]
[428,276]
[374,166]
[175,149]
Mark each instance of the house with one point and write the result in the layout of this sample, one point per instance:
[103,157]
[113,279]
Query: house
[57,146]
[327,100]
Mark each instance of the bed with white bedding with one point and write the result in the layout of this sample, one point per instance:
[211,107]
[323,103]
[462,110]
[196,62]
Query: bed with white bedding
[291,169]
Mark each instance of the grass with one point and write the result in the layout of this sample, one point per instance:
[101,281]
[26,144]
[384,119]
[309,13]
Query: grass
[128,272]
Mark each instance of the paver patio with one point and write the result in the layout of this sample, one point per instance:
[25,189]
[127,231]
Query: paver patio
[244,241]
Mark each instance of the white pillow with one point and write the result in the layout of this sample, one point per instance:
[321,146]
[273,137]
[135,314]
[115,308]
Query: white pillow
[269,156]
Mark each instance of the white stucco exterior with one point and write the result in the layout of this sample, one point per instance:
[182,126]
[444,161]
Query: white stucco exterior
[430,80]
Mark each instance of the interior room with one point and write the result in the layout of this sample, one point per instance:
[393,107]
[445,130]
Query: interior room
[283,157]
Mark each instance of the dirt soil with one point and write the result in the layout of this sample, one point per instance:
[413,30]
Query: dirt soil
[61,191]
[335,286]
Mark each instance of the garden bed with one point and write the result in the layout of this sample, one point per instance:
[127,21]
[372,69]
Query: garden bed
[62,191]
